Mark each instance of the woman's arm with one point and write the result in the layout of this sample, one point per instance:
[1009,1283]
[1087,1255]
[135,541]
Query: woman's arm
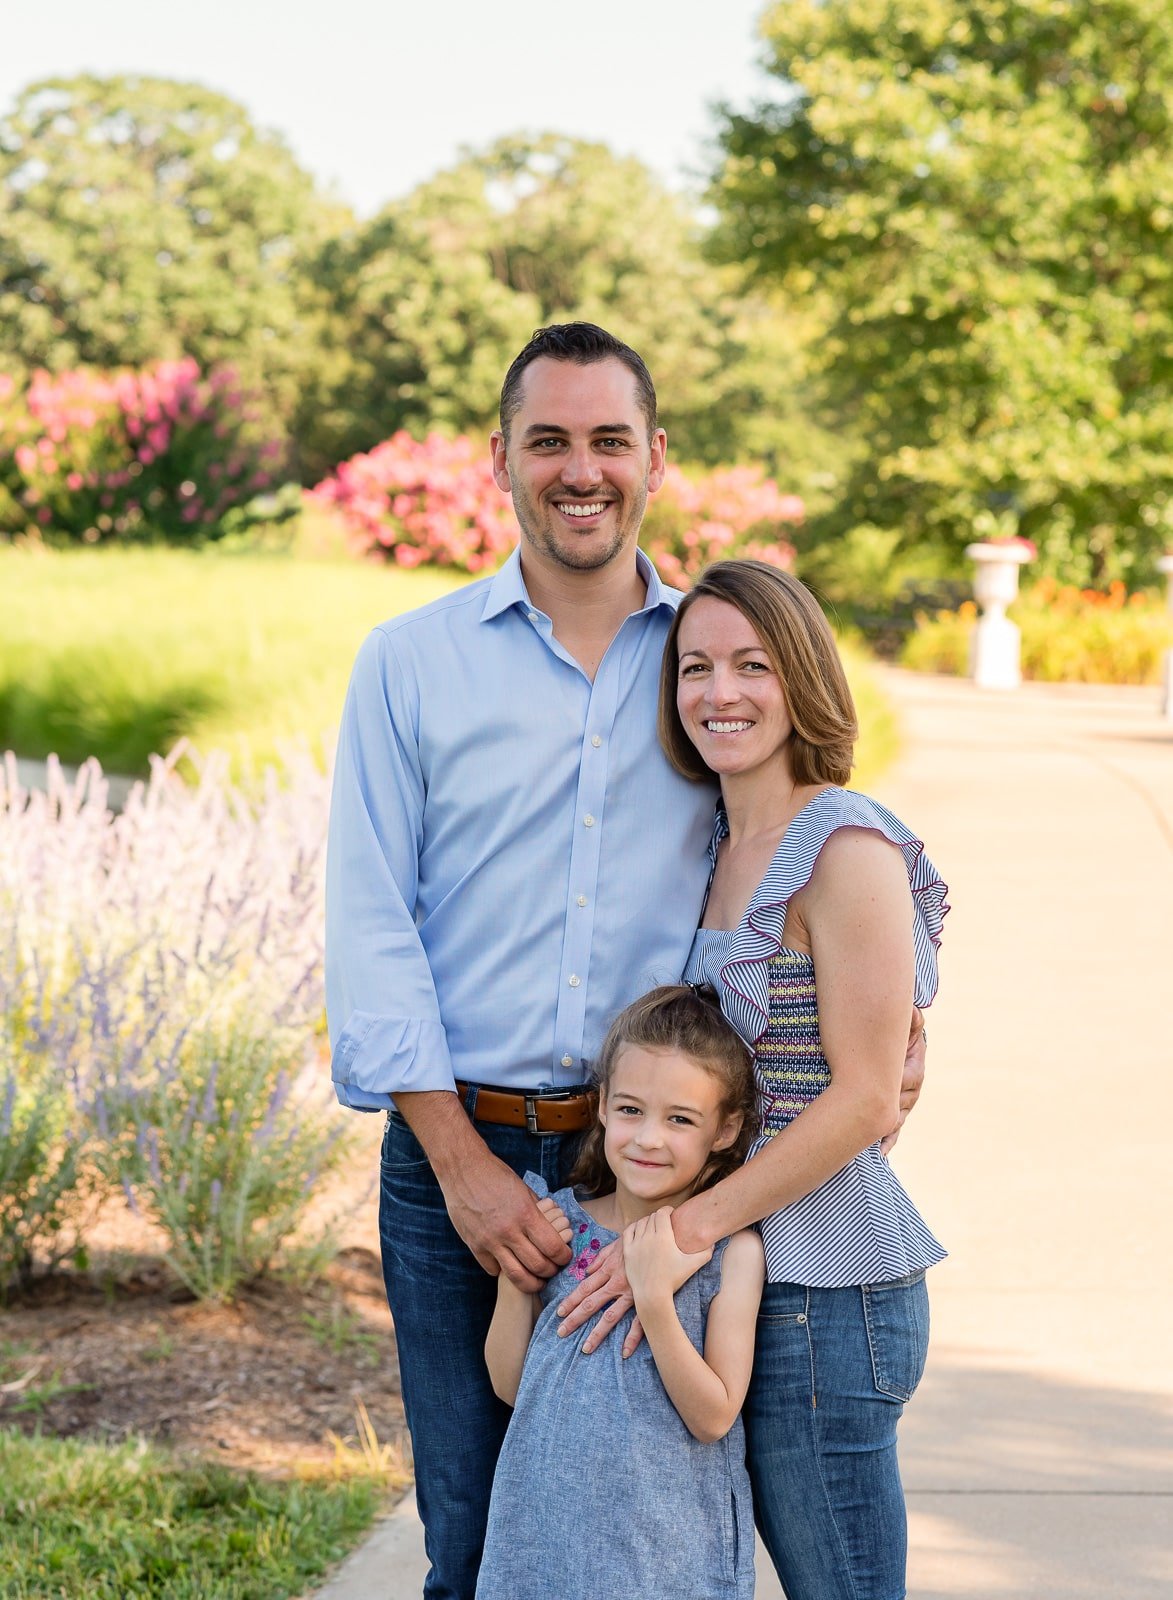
[857,912]
[707,1390]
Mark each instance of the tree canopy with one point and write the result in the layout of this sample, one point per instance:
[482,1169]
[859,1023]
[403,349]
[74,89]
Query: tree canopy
[435,296]
[143,219]
[974,201]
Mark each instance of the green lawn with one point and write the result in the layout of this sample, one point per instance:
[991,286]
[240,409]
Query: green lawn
[119,653]
[126,1522]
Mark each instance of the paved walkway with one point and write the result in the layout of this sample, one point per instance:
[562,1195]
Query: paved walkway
[1038,1454]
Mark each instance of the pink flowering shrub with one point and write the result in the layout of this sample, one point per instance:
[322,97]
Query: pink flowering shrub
[430,502]
[164,451]
[730,511]
[163,985]
[435,502]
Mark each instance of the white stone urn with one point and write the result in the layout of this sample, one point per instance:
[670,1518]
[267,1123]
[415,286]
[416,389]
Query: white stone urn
[1165,565]
[996,647]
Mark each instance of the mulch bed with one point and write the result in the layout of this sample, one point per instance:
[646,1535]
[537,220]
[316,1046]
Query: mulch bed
[263,1383]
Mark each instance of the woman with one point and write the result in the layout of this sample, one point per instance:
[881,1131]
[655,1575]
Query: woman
[819,932]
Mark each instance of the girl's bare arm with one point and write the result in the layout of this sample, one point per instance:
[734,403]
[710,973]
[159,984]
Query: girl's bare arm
[510,1332]
[514,1317]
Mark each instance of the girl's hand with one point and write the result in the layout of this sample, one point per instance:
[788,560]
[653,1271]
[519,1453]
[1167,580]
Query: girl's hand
[556,1217]
[656,1265]
[605,1285]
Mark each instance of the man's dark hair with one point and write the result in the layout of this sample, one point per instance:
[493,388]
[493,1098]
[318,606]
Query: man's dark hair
[583,343]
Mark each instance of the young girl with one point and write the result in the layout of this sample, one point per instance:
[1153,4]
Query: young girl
[629,1473]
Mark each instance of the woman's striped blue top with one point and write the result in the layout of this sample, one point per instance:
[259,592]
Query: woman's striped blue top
[860,1226]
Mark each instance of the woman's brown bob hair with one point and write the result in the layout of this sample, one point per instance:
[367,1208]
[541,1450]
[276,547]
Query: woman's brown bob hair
[677,1017]
[801,648]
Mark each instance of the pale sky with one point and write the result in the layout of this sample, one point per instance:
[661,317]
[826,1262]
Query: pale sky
[374,98]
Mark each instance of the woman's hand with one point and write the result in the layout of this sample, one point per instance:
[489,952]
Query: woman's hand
[605,1285]
[656,1265]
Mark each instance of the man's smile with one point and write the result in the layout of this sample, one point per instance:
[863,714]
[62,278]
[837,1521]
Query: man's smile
[582,509]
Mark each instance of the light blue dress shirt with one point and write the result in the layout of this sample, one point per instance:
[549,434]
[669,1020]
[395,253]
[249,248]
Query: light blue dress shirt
[511,858]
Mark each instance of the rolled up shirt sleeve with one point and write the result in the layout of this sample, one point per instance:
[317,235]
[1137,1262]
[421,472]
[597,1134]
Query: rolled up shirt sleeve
[386,1032]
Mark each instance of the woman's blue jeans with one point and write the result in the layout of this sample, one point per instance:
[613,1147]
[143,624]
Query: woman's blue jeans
[832,1371]
[441,1303]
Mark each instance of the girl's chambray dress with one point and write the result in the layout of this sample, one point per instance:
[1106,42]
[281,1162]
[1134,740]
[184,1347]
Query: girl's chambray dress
[600,1487]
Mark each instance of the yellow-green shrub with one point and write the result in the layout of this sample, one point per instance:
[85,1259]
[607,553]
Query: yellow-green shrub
[1069,635]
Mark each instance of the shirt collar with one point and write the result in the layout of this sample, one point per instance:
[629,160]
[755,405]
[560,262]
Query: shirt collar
[508,588]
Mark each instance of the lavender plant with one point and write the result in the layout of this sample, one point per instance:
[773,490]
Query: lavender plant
[168,962]
[46,1178]
[223,1150]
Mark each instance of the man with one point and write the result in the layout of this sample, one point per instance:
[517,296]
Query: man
[511,861]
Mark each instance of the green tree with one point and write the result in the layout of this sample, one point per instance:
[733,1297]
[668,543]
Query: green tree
[144,219]
[435,296]
[421,329]
[976,197]
[594,235]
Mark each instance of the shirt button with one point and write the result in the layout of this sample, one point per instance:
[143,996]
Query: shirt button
[596,741]
[567,1061]
[588,821]
[581,900]
[574,980]
[532,615]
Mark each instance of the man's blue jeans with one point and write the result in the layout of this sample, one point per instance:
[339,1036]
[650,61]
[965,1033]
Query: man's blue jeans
[441,1303]
[832,1371]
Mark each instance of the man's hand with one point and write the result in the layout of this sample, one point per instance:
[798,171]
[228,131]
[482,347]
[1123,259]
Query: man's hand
[656,1265]
[914,1076]
[501,1222]
[491,1209]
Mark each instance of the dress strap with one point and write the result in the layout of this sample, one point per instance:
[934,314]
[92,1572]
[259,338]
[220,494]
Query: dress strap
[709,1276]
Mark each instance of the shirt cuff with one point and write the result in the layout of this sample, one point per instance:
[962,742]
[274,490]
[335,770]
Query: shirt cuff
[377,1057]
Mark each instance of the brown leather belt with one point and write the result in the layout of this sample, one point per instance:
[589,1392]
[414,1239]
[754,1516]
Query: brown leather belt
[555,1111]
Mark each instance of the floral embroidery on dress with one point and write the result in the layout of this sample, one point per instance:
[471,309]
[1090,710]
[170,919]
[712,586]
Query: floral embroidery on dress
[584,1252]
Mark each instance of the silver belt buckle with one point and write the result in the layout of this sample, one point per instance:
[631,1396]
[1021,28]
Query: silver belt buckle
[531,1110]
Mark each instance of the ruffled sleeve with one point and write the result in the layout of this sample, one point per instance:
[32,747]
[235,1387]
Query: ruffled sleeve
[759,936]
